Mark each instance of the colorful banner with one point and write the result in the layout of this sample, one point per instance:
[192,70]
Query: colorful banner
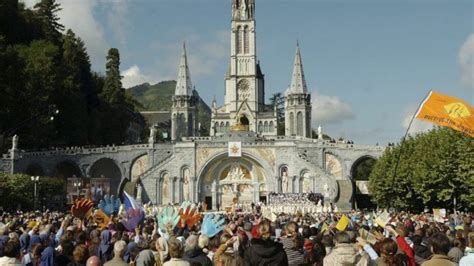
[447,111]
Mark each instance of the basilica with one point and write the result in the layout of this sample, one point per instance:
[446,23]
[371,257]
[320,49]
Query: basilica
[242,160]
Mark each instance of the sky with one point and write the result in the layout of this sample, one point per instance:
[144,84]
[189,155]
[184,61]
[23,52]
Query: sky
[368,64]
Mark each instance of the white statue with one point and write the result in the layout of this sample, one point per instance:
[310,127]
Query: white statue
[14,142]
[186,185]
[235,173]
[152,137]
[320,132]
[285,182]
[326,190]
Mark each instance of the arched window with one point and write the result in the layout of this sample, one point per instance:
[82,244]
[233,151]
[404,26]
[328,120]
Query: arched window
[222,127]
[265,126]
[272,126]
[238,44]
[227,125]
[260,128]
[299,124]
[190,125]
[246,40]
[292,124]
[216,127]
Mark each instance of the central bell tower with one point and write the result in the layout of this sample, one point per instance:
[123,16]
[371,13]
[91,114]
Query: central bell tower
[244,80]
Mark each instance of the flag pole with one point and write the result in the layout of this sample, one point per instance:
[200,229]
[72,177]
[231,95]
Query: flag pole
[406,134]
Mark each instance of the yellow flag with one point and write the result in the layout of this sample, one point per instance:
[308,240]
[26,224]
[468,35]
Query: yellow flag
[343,223]
[447,111]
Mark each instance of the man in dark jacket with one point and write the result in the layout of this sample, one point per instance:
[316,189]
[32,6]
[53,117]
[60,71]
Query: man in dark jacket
[263,250]
[193,254]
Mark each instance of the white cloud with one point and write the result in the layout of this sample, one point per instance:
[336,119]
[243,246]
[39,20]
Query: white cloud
[466,60]
[79,16]
[117,20]
[329,110]
[417,125]
[133,76]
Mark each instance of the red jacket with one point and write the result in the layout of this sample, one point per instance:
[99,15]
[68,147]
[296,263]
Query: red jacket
[403,245]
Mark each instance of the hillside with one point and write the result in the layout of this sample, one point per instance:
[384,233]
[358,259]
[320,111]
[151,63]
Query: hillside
[157,97]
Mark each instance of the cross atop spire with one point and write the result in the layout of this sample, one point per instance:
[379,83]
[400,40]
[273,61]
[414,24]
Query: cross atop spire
[183,83]
[298,82]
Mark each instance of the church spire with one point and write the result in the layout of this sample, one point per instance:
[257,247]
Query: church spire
[183,83]
[298,82]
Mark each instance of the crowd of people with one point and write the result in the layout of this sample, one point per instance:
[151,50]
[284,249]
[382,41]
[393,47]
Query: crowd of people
[184,236]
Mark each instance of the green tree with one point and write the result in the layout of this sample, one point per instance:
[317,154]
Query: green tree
[18,191]
[113,93]
[47,13]
[434,167]
[41,77]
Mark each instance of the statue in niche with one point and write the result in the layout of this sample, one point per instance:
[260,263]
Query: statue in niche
[186,184]
[326,190]
[285,182]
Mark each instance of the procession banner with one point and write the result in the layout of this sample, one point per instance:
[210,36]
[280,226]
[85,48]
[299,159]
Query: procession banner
[447,111]
[235,149]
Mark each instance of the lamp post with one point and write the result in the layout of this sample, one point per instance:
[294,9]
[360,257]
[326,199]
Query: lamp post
[35,180]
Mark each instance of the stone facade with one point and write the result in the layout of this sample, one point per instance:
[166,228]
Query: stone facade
[197,168]
[200,168]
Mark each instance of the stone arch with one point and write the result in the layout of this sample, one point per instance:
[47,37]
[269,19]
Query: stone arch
[227,126]
[109,169]
[369,160]
[34,169]
[211,186]
[138,167]
[260,127]
[265,127]
[216,127]
[306,182]
[272,126]
[65,169]
[359,174]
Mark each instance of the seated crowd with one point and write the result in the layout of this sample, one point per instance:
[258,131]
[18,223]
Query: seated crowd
[53,238]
